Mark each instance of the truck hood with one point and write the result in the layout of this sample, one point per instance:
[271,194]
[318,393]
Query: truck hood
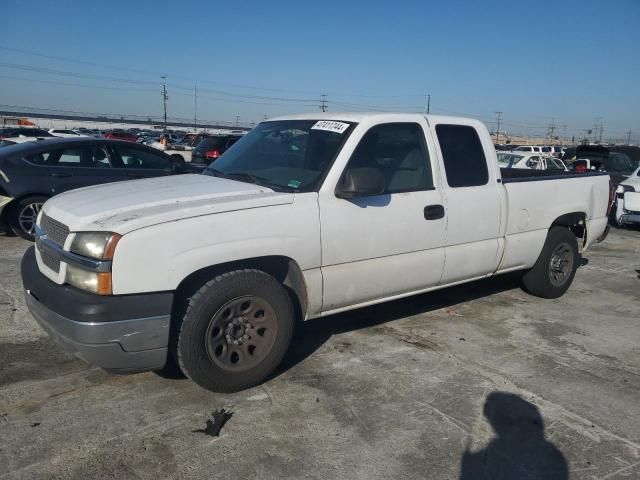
[633,180]
[126,206]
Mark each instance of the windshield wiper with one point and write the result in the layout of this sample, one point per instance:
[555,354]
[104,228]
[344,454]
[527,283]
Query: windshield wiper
[251,178]
[245,175]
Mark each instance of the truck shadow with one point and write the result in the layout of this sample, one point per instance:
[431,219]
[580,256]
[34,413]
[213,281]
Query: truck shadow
[312,334]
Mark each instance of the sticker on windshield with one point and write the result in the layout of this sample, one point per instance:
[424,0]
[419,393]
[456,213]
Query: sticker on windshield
[294,183]
[330,126]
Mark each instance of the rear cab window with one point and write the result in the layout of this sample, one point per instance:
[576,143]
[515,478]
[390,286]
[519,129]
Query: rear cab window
[464,160]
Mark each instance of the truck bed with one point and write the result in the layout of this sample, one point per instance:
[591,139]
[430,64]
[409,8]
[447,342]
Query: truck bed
[511,175]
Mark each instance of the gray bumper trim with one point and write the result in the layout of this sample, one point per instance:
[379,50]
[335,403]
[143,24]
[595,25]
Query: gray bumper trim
[129,345]
[630,218]
[4,201]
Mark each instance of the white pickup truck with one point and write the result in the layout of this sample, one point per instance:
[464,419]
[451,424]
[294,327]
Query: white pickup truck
[304,217]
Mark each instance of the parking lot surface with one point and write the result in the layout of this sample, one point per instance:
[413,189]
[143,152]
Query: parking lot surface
[459,383]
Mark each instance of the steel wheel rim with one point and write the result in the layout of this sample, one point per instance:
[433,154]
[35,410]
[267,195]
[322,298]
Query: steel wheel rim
[28,216]
[241,333]
[561,264]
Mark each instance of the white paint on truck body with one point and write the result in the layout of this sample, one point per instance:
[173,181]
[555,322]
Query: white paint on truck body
[351,252]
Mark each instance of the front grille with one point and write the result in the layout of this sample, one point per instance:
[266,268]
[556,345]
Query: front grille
[50,261]
[54,230]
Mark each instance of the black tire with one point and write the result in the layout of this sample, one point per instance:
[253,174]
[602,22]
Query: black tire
[553,272]
[214,320]
[16,216]
[615,221]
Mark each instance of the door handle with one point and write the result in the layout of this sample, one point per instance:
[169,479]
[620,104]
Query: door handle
[61,175]
[433,212]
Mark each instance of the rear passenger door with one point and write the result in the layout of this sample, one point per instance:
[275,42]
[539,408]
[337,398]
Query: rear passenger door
[473,201]
[64,169]
[135,162]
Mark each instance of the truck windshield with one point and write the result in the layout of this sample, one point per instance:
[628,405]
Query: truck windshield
[289,155]
[620,163]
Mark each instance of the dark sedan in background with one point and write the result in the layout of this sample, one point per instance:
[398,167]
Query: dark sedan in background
[209,149]
[31,172]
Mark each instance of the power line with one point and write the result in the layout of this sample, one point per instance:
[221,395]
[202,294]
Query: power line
[188,88]
[79,85]
[191,79]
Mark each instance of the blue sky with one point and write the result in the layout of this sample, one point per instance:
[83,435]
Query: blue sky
[537,60]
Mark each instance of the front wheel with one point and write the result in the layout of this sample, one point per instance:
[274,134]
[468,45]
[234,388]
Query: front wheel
[614,218]
[553,272]
[23,215]
[236,330]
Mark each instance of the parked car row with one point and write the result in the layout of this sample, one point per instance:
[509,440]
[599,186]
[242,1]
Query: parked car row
[549,150]
[533,161]
[35,170]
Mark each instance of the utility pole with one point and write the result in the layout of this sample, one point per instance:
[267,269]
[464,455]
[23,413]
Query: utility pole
[552,128]
[629,137]
[237,120]
[428,102]
[597,127]
[564,134]
[499,114]
[195,108]
[165,97]
[324,105]
[600,137]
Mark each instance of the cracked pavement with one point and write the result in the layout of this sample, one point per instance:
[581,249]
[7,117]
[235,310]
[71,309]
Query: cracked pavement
[399,390]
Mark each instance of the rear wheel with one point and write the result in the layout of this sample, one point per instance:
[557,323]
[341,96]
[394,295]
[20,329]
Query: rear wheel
[235,331]
[553,272]
[23,215]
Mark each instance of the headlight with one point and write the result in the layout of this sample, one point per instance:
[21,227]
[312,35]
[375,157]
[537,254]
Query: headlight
[95,282]
[97,245]
[624,188]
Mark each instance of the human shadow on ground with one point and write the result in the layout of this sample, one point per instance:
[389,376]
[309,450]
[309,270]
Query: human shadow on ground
[519,451]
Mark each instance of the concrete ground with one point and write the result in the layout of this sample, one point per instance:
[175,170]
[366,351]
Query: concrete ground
[468,382]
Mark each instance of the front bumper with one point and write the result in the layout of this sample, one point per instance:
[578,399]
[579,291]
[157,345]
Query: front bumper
[128,333]
[4,201]
[630,218]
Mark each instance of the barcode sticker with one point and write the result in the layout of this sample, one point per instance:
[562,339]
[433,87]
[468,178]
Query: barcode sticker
[330,126]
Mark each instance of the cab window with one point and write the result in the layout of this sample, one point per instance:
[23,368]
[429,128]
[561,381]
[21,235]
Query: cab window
[397,150]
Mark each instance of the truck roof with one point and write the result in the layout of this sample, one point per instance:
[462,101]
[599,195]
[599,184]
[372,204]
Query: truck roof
[362,116]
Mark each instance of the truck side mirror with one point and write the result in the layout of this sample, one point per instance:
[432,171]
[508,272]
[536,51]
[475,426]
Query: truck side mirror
[361,182]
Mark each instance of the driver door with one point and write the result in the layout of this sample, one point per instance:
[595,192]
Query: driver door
[386,245]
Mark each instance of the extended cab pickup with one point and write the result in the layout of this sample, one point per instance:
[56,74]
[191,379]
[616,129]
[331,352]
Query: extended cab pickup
[304,217]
